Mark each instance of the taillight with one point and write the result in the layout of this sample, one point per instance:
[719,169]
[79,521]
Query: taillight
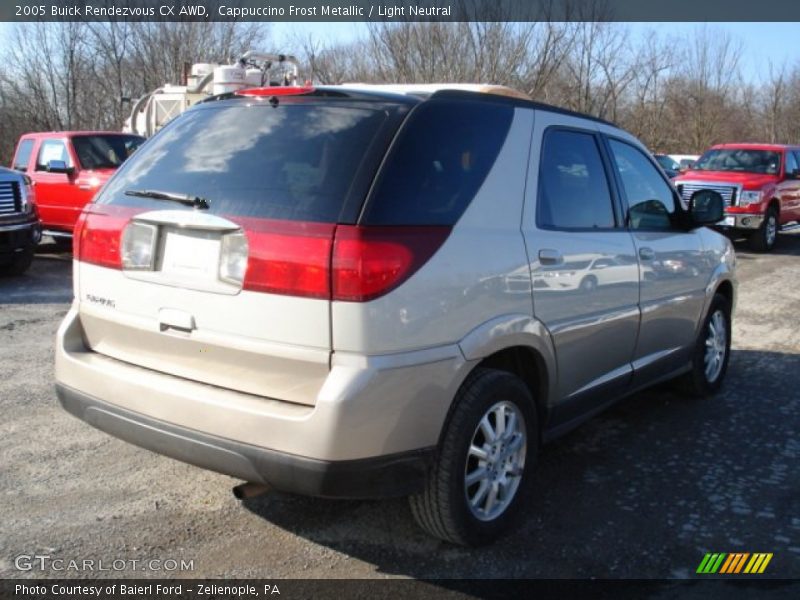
[348,263]
[288,257]
[97,235]
[371,261]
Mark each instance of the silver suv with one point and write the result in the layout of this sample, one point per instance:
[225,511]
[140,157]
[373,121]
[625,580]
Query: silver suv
[357,292]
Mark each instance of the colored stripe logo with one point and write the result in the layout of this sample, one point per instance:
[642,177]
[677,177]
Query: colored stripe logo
[734,563]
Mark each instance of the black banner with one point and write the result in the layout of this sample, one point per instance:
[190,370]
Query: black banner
[346,589]
[399,10]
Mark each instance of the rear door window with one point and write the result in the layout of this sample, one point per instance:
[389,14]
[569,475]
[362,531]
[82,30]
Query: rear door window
[438,163]
[791,162]
[294,161]
[23,156]
[105,151]
[573,187]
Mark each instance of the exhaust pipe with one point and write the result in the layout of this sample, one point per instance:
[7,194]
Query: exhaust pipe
[250,490]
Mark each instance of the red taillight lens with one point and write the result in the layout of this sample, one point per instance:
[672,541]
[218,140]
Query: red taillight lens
[97,235]
[371,261]
[288,257]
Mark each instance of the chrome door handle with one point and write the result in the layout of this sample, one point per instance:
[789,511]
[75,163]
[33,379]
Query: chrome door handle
[646,253]
[550,257]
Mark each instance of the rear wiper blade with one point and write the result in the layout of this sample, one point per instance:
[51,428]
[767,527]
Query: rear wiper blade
[185,199]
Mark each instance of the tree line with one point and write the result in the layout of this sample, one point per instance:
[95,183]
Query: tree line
[679,94]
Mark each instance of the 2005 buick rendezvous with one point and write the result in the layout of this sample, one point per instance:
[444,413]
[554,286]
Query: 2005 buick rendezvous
[366,291]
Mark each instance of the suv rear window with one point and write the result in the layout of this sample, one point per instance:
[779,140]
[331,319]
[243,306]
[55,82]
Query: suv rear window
[294,161]
[438,163]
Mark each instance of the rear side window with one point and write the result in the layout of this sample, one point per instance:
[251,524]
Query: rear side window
[650,199]
[791,162]
[23,156]
[438,163]
[573,187]
[291,161]
[105,151]
[52,150]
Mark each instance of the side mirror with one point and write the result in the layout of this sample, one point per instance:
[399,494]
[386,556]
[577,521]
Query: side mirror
[793,174]
[58,166]
[706,207]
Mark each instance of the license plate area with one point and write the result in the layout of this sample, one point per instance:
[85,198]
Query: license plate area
[186,253]
[187,258]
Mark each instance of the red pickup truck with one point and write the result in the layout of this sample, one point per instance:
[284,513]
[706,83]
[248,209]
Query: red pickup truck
[67,168]
[760,184]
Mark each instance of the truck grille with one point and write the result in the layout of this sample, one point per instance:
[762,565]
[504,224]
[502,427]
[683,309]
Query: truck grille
[10,198]
[729,193]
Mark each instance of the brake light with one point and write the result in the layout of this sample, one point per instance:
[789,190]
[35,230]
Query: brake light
[288,257]
[97,235]
[369,262]
[348,263]
[276,91]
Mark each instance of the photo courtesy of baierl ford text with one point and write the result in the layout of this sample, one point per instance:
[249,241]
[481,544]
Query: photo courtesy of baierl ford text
[442,299]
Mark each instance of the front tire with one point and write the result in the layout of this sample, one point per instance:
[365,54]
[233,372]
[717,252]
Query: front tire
[712,351]
[482,470]
[765,237]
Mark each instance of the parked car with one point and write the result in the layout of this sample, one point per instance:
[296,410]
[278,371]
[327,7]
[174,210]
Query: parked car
[685,161]
[669,164]
[19,224]
[760,184]
[68,167]
[321,290]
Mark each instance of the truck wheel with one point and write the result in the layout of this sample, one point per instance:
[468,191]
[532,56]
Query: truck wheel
[765,237]
[19,264]
[482,471]
[711,352]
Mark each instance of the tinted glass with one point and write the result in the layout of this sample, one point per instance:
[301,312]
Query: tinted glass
[105,151]
[667,162]
[650,199]
[293,161]
[739,159]
[52,150]
[23,156]
[791,162]
[573,188]
[439,162]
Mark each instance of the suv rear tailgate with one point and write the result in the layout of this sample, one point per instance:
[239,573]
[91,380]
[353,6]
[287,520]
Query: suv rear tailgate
[279,175]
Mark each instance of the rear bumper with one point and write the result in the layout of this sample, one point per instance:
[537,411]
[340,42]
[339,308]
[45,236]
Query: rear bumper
[370,433]
[383,476]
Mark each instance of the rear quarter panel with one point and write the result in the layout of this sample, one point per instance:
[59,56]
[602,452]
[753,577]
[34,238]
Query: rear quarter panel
[479,273]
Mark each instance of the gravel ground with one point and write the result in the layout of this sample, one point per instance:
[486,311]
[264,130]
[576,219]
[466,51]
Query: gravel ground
[644,490]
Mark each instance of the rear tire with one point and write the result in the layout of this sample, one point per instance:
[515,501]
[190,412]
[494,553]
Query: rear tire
[19,264]
[765,237]
[712,351]
[482,471]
